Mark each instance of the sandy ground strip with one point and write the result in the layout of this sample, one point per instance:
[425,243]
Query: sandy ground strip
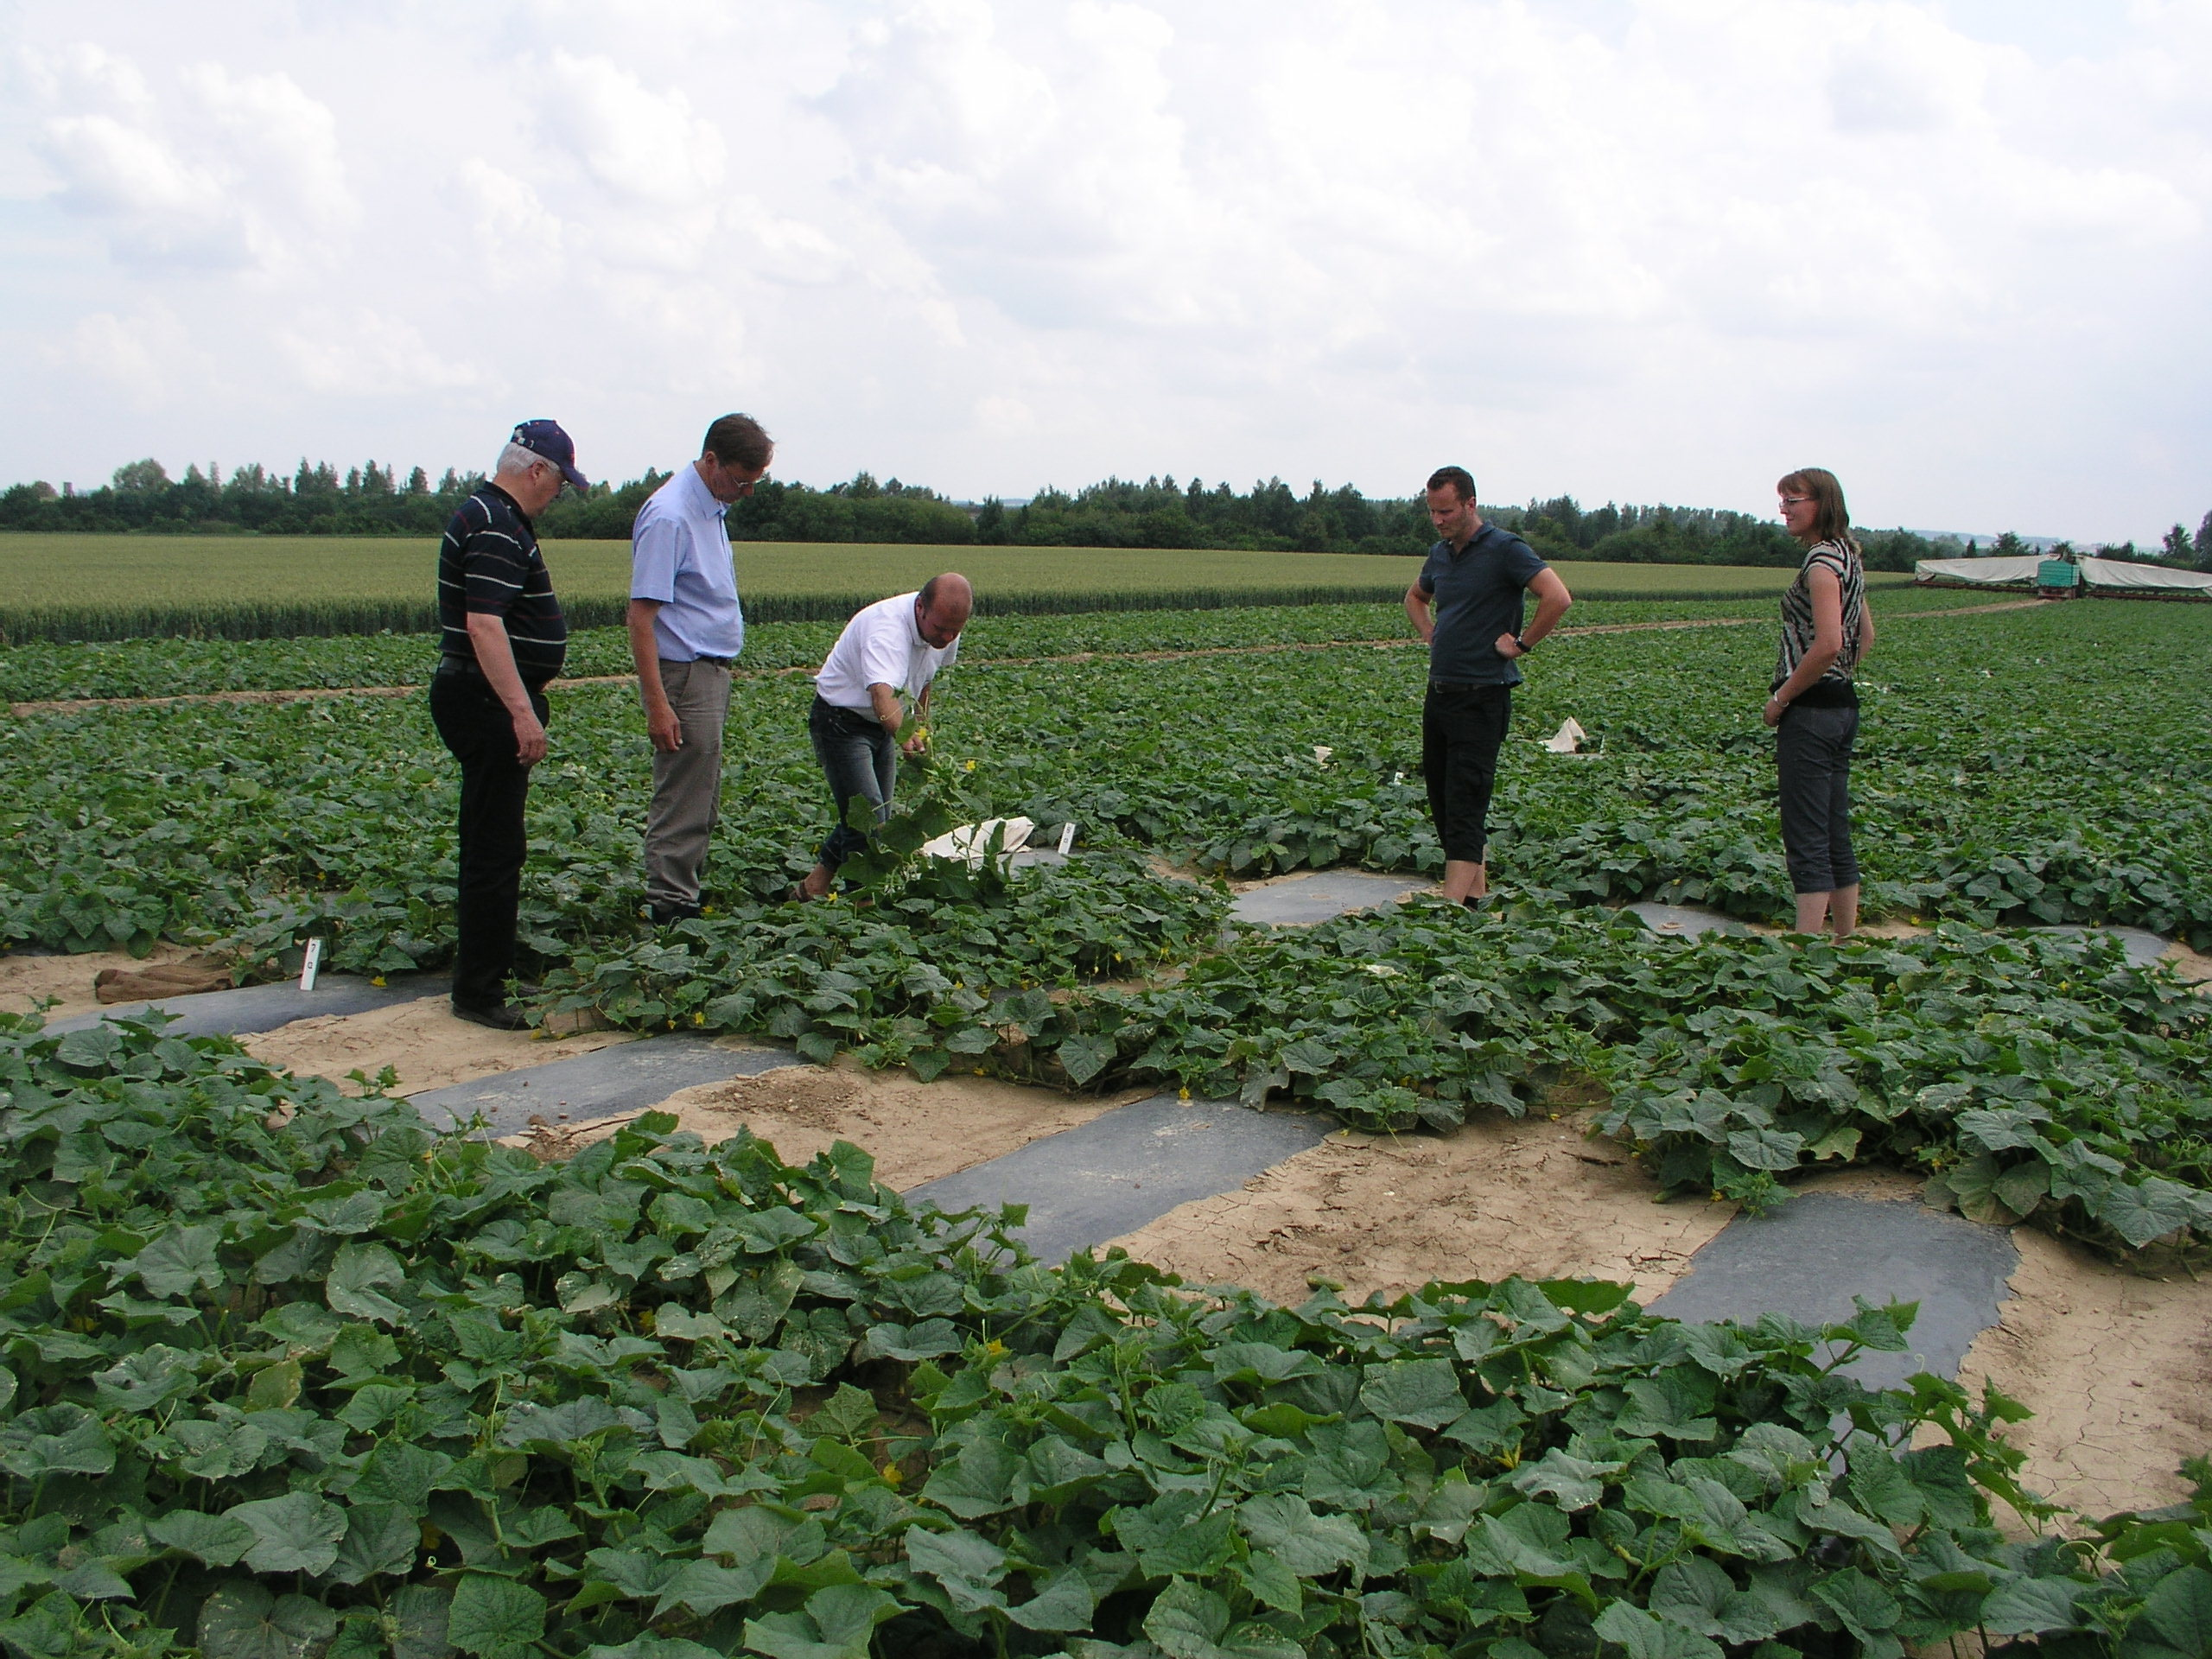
[1496,1196]
[420,1040]
[915,1131]
[25,979]
[2115,1364]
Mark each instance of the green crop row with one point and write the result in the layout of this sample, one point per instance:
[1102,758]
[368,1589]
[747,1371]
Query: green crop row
[328,617]
[139,667]
[286,1374]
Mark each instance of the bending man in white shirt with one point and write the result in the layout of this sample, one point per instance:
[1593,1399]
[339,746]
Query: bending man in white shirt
[894,647]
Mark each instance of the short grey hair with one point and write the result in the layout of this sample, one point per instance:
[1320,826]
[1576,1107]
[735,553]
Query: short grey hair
[515,458]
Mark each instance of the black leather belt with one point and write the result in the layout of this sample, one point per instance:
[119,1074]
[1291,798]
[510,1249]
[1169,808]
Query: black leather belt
[474,669]
[722,662]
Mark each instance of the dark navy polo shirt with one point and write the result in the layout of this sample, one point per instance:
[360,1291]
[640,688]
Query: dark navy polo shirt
[1478,592]
[489,565]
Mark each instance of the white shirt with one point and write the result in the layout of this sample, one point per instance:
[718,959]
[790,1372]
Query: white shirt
[680,556]
[881,646]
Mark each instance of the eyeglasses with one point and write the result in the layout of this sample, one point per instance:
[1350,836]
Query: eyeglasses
[1797,500]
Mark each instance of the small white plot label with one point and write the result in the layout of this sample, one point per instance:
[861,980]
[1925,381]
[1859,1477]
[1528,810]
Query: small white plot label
[312,965]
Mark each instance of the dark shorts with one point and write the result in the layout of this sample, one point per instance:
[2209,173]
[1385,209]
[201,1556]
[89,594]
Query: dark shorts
[1462,729]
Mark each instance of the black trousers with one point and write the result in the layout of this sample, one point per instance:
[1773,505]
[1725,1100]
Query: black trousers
[495,786]
[1462,729]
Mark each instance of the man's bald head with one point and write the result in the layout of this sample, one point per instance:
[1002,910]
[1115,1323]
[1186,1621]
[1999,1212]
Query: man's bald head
[942,607]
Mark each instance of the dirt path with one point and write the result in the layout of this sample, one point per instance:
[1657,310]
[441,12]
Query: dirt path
[66,981]
[915,1131]
[69,705]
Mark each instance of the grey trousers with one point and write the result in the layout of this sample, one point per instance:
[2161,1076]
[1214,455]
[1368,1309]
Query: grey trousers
[687,785]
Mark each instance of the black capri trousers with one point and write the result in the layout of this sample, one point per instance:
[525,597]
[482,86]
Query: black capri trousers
[1812,756]
[1462,729]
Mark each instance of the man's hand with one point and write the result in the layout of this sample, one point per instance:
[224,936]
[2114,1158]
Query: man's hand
[529,739]
[663,727]
[1773,712]
[918,744]
[1508,648]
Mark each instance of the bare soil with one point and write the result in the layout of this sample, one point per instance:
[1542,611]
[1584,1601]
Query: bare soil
[2117,1366]
[915,1131]
[420,1040]
[25,979]
[1384,1213]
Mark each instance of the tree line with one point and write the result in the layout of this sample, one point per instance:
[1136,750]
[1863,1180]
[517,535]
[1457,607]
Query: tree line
[372,499]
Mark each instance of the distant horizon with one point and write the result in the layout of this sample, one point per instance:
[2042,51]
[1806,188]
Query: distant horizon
[974,503]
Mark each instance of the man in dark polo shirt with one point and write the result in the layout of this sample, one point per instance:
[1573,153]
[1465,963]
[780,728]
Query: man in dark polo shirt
[1474,580]
[504,638]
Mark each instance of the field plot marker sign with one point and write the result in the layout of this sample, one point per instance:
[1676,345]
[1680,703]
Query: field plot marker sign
[312,965]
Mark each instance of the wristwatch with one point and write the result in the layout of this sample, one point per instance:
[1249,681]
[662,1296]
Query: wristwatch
[1521,645]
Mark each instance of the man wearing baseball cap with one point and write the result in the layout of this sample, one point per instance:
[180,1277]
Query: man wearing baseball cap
[502,638]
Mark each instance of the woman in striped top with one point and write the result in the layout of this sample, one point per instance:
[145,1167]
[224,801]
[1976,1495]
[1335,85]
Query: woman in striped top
[1826,632]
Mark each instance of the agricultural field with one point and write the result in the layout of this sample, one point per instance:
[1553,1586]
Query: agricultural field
[243,587]
[293,1372]
[47,670]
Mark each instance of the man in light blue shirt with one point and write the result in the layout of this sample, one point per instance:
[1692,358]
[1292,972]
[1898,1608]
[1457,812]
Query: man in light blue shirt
[686,629]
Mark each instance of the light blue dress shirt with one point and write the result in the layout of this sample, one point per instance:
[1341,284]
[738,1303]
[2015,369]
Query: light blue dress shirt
[680,556]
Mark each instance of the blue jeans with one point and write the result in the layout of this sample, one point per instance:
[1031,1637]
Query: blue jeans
[1812,753]
[860,760]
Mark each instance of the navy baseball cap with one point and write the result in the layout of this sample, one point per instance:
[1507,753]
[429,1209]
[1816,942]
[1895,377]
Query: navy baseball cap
[547,439]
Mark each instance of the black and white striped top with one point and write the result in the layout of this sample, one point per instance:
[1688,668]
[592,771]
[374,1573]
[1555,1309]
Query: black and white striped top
[489,564]
[1841,557]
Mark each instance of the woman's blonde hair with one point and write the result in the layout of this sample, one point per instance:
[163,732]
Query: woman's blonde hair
[1831,518]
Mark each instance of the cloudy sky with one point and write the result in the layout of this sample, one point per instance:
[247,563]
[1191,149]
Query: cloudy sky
[1647,250]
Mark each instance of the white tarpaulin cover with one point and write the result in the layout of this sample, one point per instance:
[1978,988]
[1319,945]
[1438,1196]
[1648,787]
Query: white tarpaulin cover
[1994,570]
[2097,573]
[2118,573]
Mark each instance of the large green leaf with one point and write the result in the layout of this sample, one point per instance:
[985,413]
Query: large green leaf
[183,1260]
[1285,1527]
[494,1617]
[359,1275]
[246,1621]
[217,1540]
[837,1623]
[296,1533]
[1423,1392]
[61,1439]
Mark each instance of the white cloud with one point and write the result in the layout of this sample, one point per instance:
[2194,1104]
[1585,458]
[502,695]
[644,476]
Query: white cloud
[143,360]
[199,168]
[1636,250]
[365,353]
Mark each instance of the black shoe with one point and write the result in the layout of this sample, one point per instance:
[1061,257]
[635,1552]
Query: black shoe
[523,990]
[669,915]
[500,1016]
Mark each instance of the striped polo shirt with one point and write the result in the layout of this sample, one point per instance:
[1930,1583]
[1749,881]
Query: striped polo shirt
[489,565]
[1840,559]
